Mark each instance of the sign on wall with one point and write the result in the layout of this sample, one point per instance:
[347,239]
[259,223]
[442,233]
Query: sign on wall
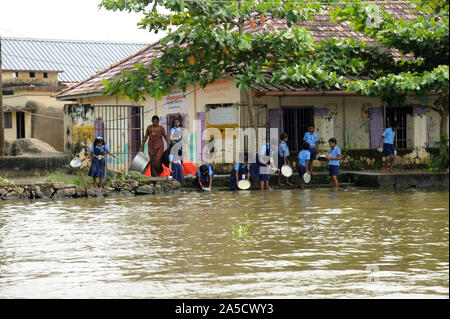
[223,115]
[175,102]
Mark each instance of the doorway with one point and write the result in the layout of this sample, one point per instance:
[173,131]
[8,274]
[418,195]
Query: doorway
[295,124]
[20,124]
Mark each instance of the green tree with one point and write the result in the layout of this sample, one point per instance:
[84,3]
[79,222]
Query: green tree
[423,40]
[210,40]
[210,43]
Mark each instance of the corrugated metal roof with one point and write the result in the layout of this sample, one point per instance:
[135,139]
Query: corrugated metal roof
[76,60]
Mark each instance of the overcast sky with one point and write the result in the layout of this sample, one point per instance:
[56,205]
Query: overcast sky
[69,19]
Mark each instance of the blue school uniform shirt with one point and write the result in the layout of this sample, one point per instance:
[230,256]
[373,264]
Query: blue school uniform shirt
[174,158]
[238,164]
[334,152]
[262,150]
[94,147]
[210,172]
[177,132]
[303,156]
[311,139]
[283,149]
[388,136]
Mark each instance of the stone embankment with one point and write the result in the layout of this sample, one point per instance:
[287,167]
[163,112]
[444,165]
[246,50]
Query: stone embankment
[126,188]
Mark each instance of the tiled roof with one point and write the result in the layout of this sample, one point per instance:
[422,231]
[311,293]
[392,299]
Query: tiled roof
[76,60]
[320,27]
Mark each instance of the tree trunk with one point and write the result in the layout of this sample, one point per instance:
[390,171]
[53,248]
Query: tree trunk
[251,110]
[443,129]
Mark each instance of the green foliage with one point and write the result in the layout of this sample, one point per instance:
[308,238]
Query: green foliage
[440,162]
[59,177]
[207,42]
[356,165]
[241,230]
[135,176]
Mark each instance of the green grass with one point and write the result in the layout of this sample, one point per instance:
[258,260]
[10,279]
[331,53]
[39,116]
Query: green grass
[59,177]
[136,176]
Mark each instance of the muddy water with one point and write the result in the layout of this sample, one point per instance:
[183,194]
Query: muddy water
[353,243]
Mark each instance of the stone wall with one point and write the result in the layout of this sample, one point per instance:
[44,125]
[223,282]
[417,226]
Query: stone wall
[48,190]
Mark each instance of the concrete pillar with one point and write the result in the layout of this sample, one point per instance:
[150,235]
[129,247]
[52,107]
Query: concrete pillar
[78,128]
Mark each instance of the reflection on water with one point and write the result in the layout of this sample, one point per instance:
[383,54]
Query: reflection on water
[303,244]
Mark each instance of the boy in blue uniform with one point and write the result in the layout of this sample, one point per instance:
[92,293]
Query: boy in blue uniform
[304,157]
[205,176]
[98,166]
[283,157]
[239,172]
[388,138]
[311,138]
[333,161]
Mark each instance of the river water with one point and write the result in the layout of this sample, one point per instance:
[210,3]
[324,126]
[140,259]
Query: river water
[354,243]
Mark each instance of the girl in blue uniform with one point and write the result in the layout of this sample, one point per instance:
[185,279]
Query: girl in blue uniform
[175,159]
[239,172]
[205,176]
[176,134]
[98,151]
[261,168]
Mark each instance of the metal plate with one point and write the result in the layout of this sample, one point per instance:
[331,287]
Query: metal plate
[75,163]
[286,170]
[307,177]
[244,184]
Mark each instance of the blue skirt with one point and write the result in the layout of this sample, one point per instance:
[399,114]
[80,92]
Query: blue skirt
[97,168]
[177,173]
[256,171]
[233,182]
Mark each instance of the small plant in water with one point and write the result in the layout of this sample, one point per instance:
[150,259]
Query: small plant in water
[3,180]
[241,230]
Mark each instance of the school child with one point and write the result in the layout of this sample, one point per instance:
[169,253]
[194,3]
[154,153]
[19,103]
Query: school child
[283,157]
[304,157]
[311,138]
[333,161]
[175,160]
[261,168]
[98,165]
[176,133]
[239,172]
[205,176]
[388,146]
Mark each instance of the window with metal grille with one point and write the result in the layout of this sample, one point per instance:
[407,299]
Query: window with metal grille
[295,124]
[398,114]
[8,119]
